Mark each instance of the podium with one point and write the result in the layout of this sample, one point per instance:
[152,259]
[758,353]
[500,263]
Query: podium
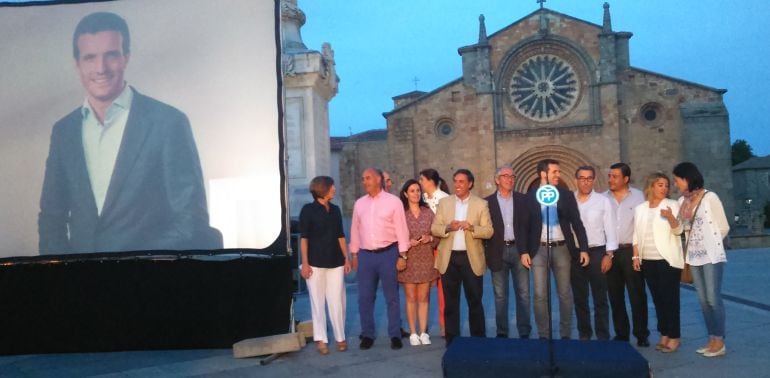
[493,357]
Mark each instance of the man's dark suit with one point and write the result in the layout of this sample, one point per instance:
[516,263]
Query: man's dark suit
[560,262]
[568,212]
[155,201]
[502,267]
[521,229]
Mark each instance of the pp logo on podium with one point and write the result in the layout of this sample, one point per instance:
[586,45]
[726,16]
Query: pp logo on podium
[547,195]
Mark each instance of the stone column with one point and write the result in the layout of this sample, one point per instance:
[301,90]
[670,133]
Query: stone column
[310,82]
[706,143]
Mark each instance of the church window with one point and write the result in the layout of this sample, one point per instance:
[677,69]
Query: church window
[444,128]
[651,112]
[544,88]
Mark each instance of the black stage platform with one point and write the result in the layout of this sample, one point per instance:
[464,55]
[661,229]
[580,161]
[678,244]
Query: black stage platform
[492,357]
[150,303]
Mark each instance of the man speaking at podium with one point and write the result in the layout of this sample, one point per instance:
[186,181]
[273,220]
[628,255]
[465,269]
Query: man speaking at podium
[123,172]
[557,234]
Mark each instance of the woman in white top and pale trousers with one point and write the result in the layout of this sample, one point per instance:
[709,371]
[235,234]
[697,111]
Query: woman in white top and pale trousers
[434,188]
[706,226]
[658,255]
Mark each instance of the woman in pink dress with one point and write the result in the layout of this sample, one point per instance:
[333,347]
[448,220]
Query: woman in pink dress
[417,271]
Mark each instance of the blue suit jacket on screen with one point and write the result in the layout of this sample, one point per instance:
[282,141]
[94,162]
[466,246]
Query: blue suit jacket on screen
[155,201]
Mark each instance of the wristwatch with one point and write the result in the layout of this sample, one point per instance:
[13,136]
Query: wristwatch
[403,256]
[610,254]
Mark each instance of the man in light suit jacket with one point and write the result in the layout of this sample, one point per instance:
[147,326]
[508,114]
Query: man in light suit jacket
[509,211]
[462,222]
[123,172]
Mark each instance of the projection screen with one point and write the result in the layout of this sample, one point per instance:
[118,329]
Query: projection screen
[172,143]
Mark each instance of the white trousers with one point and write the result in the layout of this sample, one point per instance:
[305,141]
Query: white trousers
[327,286]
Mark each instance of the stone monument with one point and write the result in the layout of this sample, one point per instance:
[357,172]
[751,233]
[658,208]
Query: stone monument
[309,82]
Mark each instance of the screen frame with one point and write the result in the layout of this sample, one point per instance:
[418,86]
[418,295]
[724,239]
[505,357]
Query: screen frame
[281,246]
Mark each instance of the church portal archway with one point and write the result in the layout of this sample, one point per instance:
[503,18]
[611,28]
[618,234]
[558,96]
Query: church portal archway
[525,167]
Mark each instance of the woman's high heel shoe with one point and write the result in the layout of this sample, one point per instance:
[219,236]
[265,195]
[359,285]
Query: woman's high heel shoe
[670,349]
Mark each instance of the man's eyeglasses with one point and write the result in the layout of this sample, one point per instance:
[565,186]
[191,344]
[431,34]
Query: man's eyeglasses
[507,177]
[581,178]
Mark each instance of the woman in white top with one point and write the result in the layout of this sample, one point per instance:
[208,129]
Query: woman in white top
[658,255]
[434,188]
[705,225]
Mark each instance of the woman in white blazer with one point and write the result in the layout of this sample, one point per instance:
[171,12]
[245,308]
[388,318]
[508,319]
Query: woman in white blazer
[658,255]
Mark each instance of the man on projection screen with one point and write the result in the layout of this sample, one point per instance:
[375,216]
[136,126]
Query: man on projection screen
[123,172]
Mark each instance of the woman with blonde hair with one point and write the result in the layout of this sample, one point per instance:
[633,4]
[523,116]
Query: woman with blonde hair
[658,255]
[705,225]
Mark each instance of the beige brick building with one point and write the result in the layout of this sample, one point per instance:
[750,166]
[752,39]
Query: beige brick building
[548,86]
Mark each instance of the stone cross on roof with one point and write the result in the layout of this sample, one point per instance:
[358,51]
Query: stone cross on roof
[541,3]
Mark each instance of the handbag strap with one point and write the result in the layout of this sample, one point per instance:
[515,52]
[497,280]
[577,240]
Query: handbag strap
[694,213]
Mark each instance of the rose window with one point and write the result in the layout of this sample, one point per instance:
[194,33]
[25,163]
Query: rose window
[544,88]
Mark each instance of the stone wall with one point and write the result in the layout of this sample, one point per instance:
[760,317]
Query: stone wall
[579,32]
[448,130]
[679,130]
[355,157]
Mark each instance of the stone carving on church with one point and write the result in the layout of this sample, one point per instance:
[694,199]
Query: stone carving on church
[287,63]
[289,9]
[544,88]
[328,59]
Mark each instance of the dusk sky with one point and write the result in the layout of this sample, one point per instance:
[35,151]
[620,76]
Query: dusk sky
[382,46]
[387,48]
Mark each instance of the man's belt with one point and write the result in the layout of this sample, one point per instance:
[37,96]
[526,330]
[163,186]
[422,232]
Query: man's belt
[557,243]
[509,242]
[383,249]
[625,246]
[598,247]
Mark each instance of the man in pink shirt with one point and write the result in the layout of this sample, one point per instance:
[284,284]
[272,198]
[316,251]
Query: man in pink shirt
[378,236]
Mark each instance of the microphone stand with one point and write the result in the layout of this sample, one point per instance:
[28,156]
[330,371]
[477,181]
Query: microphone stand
[551,359]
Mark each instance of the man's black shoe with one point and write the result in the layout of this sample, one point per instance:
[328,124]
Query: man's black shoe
[366,342]
[620,338]
[642,342]
[395,343]
[404,334]
[501,336]
[524,337]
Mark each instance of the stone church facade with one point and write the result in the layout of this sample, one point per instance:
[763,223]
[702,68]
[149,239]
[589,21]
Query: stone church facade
[548,86]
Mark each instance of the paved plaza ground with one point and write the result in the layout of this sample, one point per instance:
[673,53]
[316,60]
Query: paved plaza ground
[746,290]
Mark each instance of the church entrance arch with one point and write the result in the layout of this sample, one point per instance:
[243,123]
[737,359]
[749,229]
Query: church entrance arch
[525,167]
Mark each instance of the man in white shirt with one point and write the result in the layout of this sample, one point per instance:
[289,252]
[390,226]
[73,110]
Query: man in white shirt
[596,214]
[624,199]
[462,222]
